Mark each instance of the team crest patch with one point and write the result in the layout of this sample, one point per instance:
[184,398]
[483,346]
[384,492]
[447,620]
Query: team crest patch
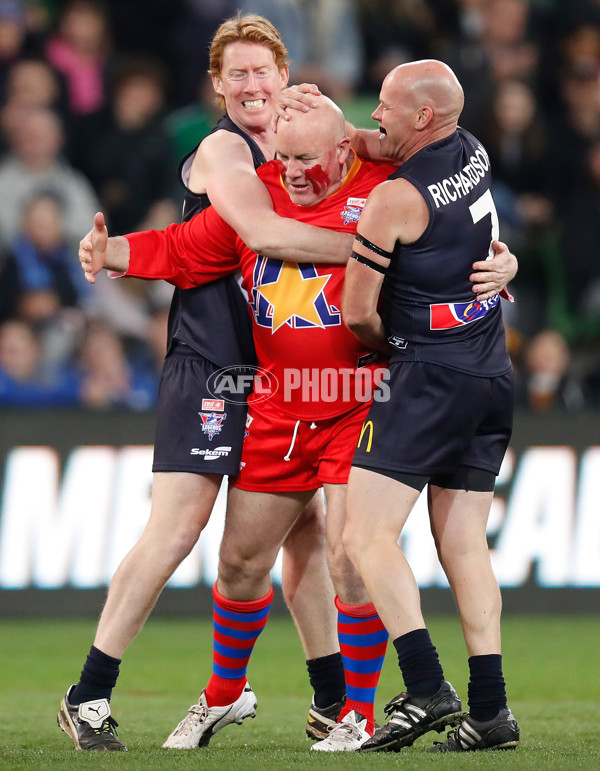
[350,214]
[212,423]
[352,210]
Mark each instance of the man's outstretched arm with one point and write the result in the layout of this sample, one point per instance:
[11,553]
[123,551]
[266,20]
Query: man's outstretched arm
[98,251]
[187,255]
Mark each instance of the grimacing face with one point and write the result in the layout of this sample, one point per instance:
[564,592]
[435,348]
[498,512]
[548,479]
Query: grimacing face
[395,115]
[250,84]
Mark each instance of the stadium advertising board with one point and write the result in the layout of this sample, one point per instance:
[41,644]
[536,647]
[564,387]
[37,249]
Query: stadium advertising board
[75,495]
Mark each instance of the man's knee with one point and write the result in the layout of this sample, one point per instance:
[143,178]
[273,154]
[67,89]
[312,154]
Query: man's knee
[174,543]
[237,563]
[347,544]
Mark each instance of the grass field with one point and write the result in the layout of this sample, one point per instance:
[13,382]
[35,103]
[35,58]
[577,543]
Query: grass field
[551,666]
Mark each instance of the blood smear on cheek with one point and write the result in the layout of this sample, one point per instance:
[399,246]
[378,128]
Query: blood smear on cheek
[318,179]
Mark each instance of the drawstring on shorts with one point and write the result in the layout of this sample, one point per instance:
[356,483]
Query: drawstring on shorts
[289,452]
[312,426]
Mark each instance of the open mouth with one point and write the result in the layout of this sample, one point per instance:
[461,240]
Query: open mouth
[254,104]
[296,188]
[382,132]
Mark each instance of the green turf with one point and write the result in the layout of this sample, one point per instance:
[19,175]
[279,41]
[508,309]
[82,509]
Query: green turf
[551,666]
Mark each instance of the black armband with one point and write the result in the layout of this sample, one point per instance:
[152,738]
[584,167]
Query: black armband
[369,263]
[373,247]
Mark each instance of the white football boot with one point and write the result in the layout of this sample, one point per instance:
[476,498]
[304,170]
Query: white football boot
[202,722]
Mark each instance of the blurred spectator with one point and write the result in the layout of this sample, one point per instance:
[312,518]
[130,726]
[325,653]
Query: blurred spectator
[578,12]
[30,83]
[188,125]
[43,262]
[35,164]
[486,41]
[579,240]
[189,27]
[546,381]
[109,379]
[577,122]
[13,31]
[79,50]
[40,15]
[33,82]
[393,33]
[580,49]
[516,138]
[458,41]
[507,40]
[323,39]
[23,381]
[42,282]
[124,150]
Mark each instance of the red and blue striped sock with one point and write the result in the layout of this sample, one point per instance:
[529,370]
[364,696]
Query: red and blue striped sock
[236,627]
[363,642]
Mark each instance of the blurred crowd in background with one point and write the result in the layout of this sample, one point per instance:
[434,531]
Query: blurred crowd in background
[100,100]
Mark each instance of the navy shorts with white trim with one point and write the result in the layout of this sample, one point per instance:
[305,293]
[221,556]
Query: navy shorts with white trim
[195,432]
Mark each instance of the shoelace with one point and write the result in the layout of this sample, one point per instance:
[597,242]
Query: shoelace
[195,709]
[455,737]
[402,714]
[108,727]
[198,709]
[351,729]
[396,703]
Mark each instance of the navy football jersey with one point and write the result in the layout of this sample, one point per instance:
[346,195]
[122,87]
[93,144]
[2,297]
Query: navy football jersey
[430,311]
[213,319]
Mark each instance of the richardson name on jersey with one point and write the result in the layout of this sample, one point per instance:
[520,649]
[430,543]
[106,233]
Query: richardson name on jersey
[452,188]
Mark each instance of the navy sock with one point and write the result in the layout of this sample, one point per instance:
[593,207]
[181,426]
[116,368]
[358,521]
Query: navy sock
[327,679]
[419,663]
[487,689]
[98,678]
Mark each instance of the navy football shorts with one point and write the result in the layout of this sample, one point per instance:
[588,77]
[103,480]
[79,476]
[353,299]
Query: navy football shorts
[195,432]
[436,420]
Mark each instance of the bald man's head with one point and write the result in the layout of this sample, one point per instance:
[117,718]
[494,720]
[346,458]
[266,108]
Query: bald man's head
[432,82]
[313,148]
[324,120]
[420,102]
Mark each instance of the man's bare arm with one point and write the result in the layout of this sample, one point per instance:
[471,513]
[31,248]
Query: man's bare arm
[242,200]
[366,269]
[362,286]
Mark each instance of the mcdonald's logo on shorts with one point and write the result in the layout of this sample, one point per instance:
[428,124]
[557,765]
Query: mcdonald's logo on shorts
[368,425]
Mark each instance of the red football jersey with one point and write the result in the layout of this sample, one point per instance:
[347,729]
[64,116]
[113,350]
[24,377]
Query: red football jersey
[320,367]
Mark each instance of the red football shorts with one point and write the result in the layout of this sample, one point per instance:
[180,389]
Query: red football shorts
[281,454]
